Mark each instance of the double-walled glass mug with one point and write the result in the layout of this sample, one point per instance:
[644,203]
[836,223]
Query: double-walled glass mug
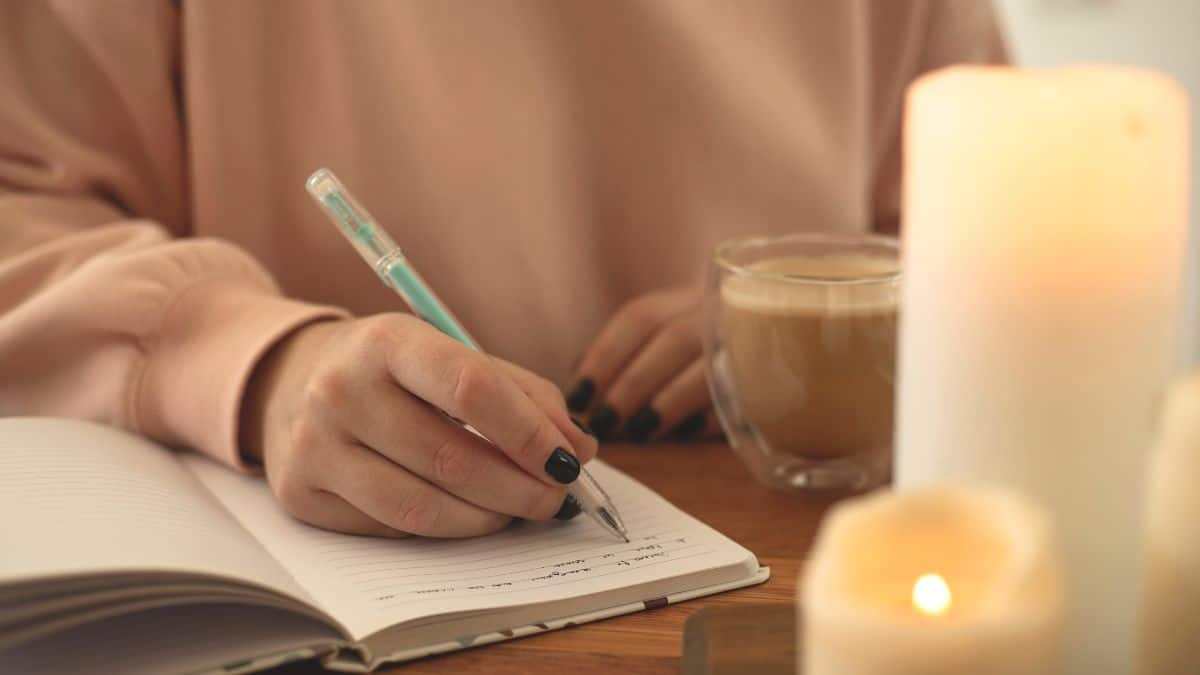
[800,351]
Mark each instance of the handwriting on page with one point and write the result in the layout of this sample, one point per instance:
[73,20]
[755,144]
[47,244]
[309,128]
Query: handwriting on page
[517,579]
[372,583]
[514,561]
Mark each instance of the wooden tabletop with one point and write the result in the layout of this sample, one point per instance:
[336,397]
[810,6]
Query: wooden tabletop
[708,482]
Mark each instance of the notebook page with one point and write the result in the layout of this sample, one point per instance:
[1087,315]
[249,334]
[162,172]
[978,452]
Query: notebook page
[370,584]
[192,639]
[78,497]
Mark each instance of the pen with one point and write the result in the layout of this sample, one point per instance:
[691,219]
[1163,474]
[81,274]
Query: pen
[385,257]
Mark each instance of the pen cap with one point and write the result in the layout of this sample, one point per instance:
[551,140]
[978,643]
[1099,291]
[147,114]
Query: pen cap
[354,222]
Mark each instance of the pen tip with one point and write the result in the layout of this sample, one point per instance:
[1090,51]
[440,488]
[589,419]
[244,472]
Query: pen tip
[626,538]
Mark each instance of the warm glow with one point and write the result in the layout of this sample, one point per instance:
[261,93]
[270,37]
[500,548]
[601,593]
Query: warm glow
[931,595]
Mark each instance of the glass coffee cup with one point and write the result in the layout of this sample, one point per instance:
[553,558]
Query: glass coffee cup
[800,352]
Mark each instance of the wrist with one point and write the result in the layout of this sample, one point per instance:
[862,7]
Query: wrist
[265,400]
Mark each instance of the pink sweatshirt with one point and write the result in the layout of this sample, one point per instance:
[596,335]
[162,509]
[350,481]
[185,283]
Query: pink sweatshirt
[541,161]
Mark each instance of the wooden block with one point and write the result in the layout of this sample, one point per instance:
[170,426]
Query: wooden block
[741,640]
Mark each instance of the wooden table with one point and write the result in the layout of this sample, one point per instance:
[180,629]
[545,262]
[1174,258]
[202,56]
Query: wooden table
[708,482]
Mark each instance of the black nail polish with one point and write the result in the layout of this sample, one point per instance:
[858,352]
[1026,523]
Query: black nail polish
[569,509]
[690,426]
[642,425]
[582,427]
[562,466]
[581,396]
[603,422]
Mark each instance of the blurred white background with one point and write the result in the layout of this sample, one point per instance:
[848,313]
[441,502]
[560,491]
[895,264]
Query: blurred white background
[1161,34]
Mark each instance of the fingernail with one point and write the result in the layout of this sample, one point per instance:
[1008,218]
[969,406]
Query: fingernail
[582,427]
[642,425]
[690,426]
[562,466]
[569,509]
[603,422]
[581,396]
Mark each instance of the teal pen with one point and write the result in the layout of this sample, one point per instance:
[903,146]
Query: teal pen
[392,267]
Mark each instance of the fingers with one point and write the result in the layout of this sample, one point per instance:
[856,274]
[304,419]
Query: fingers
[691,427]
[550,399]
[471,387]
[700,426]
[415,436]
[671,350]
[326,462]
[712,426]
[329,511]
[362,444]
[620,340]
[686,395]
[645,347]
[398,499]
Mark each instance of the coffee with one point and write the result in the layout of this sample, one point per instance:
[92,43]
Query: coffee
[811,348]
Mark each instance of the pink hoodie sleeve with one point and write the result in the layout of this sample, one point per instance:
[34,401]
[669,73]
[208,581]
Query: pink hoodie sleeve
[103,314]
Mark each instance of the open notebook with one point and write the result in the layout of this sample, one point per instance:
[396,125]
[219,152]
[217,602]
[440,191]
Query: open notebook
[118,555]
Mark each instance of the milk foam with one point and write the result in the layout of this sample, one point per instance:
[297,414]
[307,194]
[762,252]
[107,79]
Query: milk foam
[808,286]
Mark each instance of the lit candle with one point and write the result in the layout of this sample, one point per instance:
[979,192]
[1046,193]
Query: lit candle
[931,595]
[935,581]
[1169,626]
[1044,229]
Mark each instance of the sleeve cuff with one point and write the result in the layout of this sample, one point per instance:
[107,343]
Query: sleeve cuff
[194,377]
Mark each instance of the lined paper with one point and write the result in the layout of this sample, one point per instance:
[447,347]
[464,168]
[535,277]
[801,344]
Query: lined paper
[371,584]
[172,640]
[81,498]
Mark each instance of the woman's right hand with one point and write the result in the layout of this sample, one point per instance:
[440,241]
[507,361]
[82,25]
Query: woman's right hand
[346,416]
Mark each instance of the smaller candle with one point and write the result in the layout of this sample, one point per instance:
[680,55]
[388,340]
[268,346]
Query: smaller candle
[938,580]
[1169,621]
[931,595]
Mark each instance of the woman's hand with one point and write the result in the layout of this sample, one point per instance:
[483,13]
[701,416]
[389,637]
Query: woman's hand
[644,373]
[347,418]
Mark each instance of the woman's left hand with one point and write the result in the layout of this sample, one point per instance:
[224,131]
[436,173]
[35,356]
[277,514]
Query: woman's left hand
[643,376]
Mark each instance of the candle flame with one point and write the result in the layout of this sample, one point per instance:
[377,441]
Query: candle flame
[931,596]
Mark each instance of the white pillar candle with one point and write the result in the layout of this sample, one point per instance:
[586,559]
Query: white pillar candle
[1169,626]
[937,581]
[1044,228]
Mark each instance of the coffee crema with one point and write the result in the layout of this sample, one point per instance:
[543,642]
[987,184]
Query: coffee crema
[811,344]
